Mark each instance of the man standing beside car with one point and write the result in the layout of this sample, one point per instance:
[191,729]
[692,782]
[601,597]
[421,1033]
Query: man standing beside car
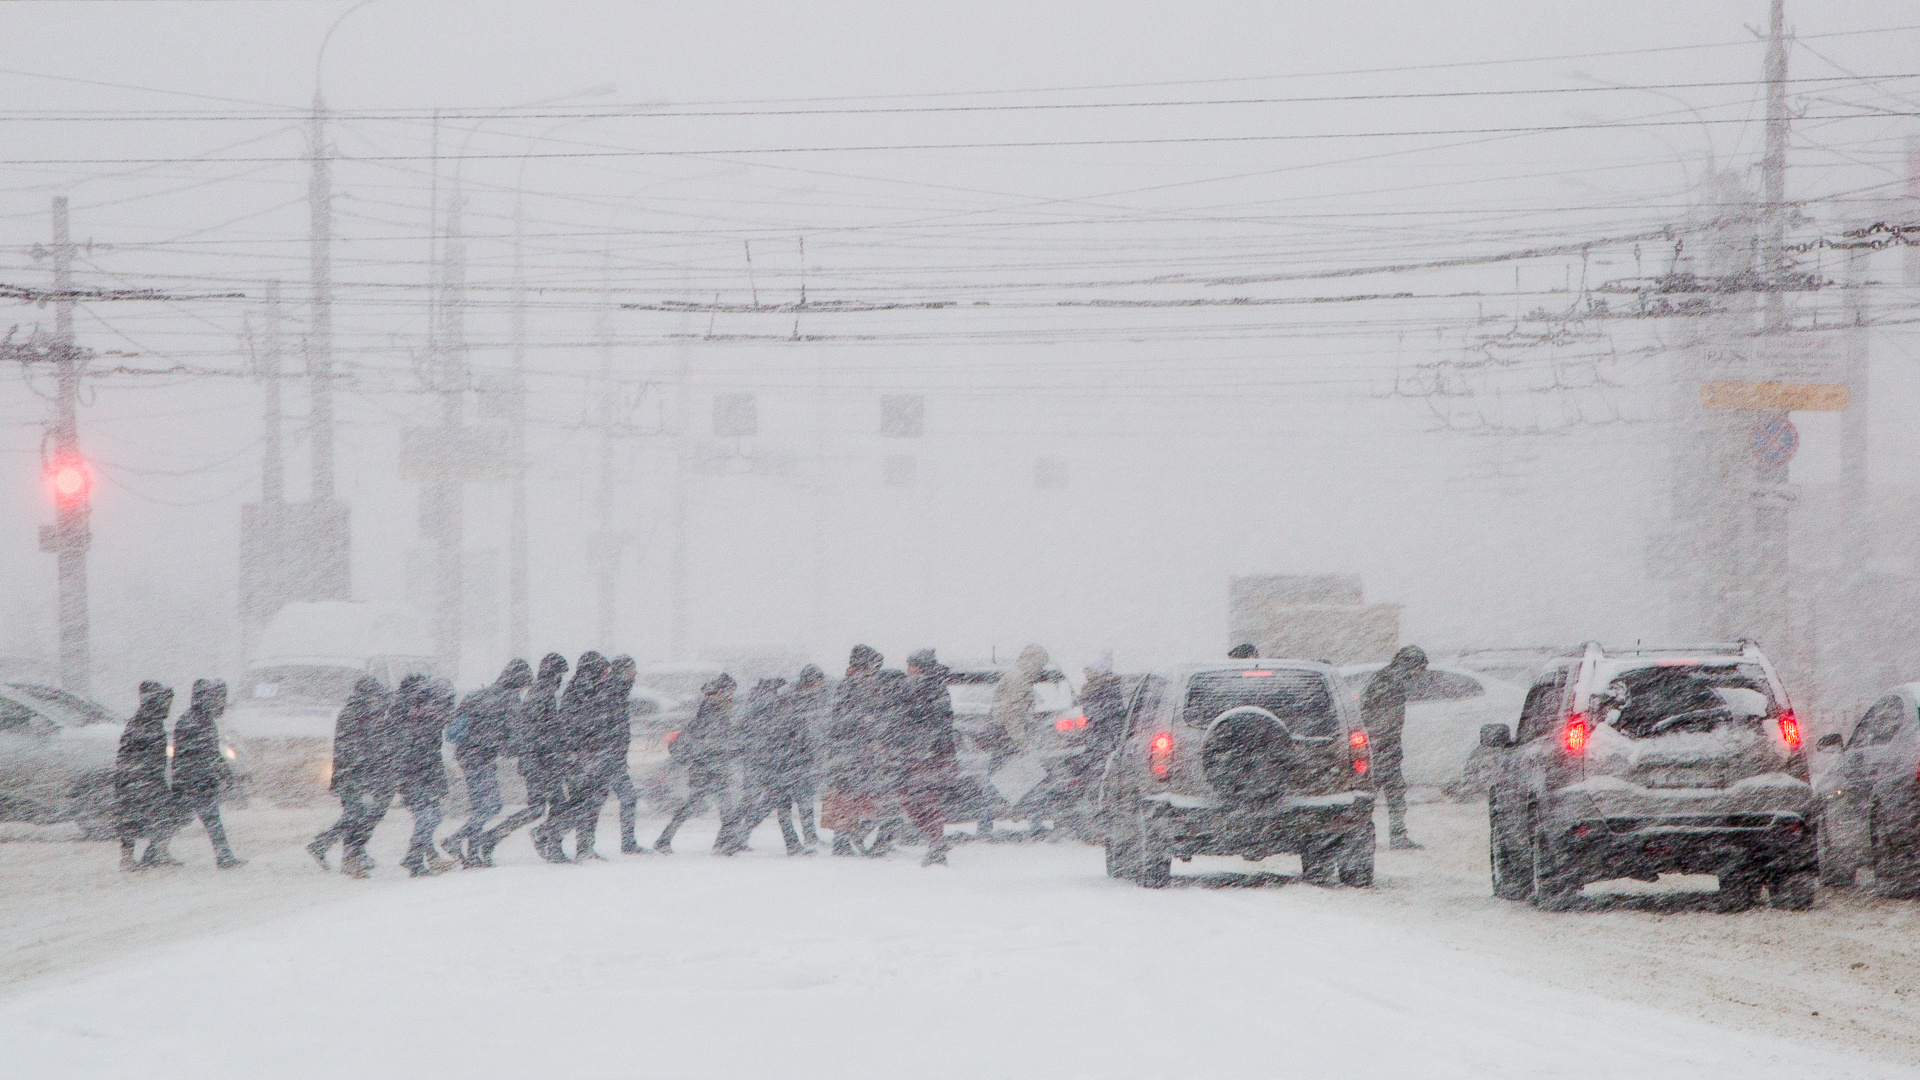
[1383,711]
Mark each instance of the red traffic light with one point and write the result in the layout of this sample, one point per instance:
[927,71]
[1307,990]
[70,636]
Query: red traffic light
[71,483]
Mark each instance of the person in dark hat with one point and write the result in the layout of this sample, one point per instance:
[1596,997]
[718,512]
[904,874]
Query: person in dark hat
[140,795]
[539,743]
[777,756]
[201,773]
[479,736]
[1383,711]
[1243,651]
[852,753]
[599,732]
[361,779]
[422,709]
[704,748]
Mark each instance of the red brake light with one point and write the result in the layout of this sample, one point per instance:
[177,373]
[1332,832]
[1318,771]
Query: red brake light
[671,735]
[1360,765]
[1577,733]
[1069,723]
[1256,674]
[1357,740]
[1160,754]
[1790,729]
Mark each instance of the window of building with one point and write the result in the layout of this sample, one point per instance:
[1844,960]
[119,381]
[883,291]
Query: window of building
[903,416]
[1050,472]
[735,416]
[899,470]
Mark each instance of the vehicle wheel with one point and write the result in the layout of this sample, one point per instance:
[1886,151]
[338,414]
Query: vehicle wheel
[1153,868]
[1837,869]
[1512,871]
[1356,858]
[1553,889]
[1739,891]
[1791,892]
[1320,861]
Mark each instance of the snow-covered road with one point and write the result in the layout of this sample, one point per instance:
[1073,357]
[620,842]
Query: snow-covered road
[1018,960]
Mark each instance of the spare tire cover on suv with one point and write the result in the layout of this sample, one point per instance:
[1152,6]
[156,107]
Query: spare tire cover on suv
[1268,732]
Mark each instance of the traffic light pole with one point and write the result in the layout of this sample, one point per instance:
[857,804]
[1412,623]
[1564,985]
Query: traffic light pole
[71,536]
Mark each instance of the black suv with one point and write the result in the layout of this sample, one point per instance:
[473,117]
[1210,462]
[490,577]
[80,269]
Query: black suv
[1631,764]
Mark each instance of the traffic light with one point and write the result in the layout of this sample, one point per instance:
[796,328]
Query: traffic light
[69,480]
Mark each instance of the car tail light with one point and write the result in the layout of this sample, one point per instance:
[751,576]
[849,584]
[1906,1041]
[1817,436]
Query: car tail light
[1070,723]
[1790,729]
[1577,733]
[1357,750]
[1357,740]
[1160,754]
[671,735]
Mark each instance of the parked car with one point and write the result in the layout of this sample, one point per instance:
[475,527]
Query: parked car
[1870,796]
[1249,758]
[1635,763]
[56,758]
[298,678]
[1446,707]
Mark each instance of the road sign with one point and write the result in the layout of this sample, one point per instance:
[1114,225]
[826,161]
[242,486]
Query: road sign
[1774,440]
[1773,396]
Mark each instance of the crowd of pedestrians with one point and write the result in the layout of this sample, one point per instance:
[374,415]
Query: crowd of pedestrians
[876,752]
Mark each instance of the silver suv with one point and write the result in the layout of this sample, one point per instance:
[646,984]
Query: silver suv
[1250,758]
[1635,763]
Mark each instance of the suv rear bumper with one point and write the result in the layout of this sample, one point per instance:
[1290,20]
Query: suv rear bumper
[1190,826]
[1774,843]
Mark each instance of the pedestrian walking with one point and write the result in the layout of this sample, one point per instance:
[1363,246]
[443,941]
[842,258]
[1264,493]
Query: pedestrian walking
[924,751]
[538,742]
[1383,711]
[201,772]
[1103,702]
[361,779]
[704,748]
[625,673]
[422,709]
[810,704]
[140,795]
[599,732]
[851,757]
[479,735]
[777,759]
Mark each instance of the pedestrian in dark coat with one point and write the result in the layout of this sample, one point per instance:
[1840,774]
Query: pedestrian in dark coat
[810,706]
[1103,702]
[599,732]
[361,780]
[851,758]
[1383,711]
[625,673]
[704,748]
[140,795]
[422,709]
[201,772]
[572,722]
[479,735]
[926,751]
[776,751]
[538,740]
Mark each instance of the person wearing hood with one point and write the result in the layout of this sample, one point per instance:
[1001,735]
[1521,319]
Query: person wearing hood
[1103,702]
[479,736]
[777,755]
[361,780]
[1383,711]
[140,795]
[923,751]
[626,672]
[852,752]
[201,772]
[538,740]
[810,704]
[704,748]
[421,710]
[599,732]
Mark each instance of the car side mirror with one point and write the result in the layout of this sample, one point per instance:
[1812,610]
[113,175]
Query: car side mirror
[1496,737]
[1830,743]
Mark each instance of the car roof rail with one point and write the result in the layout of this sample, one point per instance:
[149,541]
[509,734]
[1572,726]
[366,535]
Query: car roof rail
[1742,647]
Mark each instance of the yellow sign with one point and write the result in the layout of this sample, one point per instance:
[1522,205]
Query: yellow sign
[1773,396]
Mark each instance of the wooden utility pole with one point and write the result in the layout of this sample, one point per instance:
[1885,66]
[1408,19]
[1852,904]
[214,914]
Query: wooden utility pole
[68,472]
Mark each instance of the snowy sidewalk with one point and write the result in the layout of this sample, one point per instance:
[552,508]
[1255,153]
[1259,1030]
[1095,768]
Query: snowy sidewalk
[1017,961]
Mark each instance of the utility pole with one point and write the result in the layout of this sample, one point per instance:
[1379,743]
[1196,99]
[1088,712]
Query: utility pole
[447,486]
[320,330]
[273,469]
[518,600]
[1773,171]
[606,553]
[71,534]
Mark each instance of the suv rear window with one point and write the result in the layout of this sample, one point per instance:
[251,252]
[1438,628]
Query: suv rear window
[1662,698]
[1299,698]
